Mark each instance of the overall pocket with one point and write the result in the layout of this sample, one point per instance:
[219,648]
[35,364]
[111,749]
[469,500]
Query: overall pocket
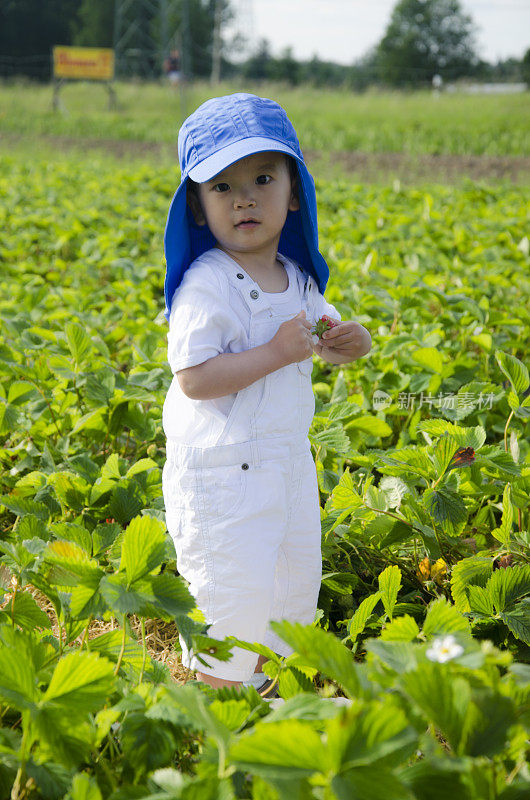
[222,490]
[178,486]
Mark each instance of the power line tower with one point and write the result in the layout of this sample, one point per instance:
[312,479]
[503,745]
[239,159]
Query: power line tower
[244,10]
[242,26]
[143,35]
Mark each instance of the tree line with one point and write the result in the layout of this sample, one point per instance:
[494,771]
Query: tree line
[423,38]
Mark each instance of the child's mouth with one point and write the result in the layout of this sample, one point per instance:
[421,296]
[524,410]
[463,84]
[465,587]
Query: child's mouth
[249,223]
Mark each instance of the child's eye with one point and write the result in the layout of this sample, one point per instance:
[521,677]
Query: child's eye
[263,179]
[221,187]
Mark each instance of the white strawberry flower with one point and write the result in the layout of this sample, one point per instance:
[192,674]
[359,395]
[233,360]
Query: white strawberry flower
[444,649]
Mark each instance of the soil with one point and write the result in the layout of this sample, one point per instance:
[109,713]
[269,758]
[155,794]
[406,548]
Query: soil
[445,168]
[360,166]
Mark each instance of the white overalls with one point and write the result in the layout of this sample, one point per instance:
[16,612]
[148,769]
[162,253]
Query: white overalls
[243,511]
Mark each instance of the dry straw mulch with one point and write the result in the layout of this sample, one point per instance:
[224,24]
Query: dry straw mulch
[160,636]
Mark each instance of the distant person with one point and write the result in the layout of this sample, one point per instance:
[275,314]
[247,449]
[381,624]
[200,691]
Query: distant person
[244,287]
[437,84]
[172,67]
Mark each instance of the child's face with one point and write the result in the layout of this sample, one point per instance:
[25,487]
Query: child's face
[245,206]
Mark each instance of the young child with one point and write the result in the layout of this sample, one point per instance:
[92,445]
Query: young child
[244,285]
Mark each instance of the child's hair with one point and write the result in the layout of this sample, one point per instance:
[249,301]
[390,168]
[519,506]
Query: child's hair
[193,187]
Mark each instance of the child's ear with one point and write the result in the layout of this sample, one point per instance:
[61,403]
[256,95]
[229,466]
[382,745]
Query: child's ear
[294,202]
[193,201]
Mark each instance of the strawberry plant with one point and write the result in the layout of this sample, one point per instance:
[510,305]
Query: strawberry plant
[421,448]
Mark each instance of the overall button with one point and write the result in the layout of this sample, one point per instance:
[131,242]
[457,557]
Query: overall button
[254,294]
[244,466]
[240,276]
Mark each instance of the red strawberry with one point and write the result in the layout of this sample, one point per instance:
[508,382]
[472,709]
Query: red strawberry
[323,324]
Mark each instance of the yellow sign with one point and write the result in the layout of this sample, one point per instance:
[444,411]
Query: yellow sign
[93,63]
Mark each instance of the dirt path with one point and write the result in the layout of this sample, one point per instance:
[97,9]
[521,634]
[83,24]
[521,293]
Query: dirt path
[361,166]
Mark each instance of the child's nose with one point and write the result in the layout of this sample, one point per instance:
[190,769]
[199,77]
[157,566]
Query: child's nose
[244,199]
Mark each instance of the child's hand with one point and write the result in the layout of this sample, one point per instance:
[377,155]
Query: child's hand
[344,342]
[292,341]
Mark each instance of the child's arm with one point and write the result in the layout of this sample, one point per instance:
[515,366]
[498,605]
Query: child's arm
[345,342]
[228,373]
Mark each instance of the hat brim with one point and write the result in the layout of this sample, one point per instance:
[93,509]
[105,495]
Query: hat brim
[223,158]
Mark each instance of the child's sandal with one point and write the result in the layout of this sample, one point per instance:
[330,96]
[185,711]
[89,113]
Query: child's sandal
[267,690]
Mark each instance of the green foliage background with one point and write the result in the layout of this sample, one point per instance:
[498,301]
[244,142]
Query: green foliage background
[416,547]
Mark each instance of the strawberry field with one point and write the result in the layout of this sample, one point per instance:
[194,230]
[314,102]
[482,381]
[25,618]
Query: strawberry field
[423,457]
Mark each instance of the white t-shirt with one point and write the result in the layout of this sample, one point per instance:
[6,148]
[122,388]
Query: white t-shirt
[209,316]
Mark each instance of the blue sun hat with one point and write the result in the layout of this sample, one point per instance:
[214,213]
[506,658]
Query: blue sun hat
[220,132]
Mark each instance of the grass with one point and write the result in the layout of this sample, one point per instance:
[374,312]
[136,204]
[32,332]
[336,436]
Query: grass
[326,121]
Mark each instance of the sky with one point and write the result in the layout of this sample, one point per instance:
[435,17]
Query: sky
[344,30]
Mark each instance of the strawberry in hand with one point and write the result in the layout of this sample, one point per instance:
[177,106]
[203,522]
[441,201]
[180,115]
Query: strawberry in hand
[340,342]
[323,324]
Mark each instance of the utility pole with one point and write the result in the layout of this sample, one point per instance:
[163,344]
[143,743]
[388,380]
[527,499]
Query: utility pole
[216,54]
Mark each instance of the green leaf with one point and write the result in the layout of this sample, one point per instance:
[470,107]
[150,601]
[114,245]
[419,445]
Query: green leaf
[480,600]
[407,460]
[398,655]
[389,585]
[72,491]
[333,438]
[474,570]
[18,682]
[490,716]
[143,465]
[515,371]
[22,506]
[305,706]
[86,599]
[444,701]
[121,598]
[518,621]
[170,593]
[376,732]
[126,502]
[293,682]
[506,586]
[73,533]
[81,682]
[21,392]
[370,783]
[27,613]
[323,651]
[231,713]
[340,582]
[445,449]
[445,506]
[8,416]
[429,358]
[401,629]
[358,622]
[288,748]
[143,547]
[84,787]
[442,617]
[70,564]
[344,494]
[193,703]
[371,425]
[399,532]
[504,532]
[437,779]
[109,645]
[79,342]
